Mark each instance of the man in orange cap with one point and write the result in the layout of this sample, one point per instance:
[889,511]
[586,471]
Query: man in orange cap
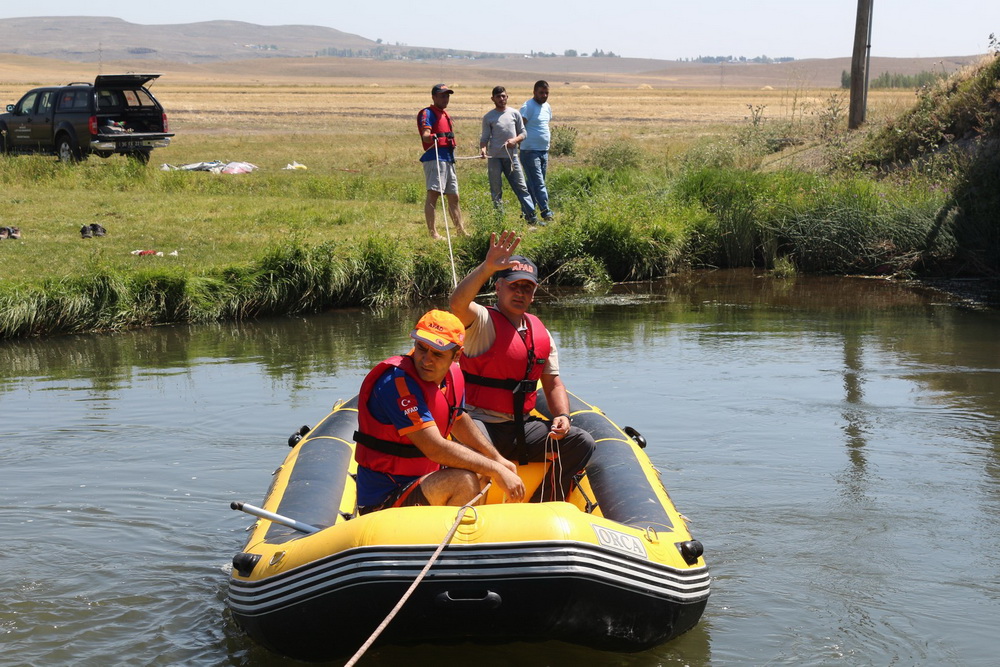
[407,408]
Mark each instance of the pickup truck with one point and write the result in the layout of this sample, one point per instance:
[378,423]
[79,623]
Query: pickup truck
[115,114]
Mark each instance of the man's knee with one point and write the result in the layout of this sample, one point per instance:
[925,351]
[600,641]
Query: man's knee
[580,445]
[451,486]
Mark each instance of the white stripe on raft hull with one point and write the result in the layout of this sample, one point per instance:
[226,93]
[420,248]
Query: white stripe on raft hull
[568,592]
[501,562]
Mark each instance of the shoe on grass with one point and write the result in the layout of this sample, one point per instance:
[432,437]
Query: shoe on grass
[97,229]
[85,232]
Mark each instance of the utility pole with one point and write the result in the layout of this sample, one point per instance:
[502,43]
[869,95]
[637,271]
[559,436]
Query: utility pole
[859,64]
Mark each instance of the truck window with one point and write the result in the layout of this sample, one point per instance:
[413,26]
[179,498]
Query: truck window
[137,98]
[108,99]
[45,102]
[27,104]
[71,100]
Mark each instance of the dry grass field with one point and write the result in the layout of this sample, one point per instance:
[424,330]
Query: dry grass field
[356,124]
[664,105]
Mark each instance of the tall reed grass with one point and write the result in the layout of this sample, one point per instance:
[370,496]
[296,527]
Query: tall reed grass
[821,224]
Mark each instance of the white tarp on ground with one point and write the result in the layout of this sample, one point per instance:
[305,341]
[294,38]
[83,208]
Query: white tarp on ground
[216,167]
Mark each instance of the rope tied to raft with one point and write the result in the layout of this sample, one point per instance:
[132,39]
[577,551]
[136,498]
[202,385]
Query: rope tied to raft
[420,577]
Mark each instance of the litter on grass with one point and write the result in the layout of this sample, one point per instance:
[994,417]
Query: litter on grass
[215,166]
[147,253]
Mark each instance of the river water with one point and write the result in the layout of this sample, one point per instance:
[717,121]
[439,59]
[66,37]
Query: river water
[833,441]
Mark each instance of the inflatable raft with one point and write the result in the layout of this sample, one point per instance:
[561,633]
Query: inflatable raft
[613,568]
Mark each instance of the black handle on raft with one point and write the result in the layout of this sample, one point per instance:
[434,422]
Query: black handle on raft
[486,600]
[635,435]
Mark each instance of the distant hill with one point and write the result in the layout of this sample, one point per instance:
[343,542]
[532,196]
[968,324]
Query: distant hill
[92,39]
[78,47]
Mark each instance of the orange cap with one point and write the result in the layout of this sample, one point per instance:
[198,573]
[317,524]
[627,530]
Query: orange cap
[439,329]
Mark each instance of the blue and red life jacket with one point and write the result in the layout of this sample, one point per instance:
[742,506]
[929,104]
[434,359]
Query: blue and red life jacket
[380,446]
[441,127]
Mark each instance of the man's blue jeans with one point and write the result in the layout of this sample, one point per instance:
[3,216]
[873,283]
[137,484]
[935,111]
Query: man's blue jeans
[536,164]
[496,169]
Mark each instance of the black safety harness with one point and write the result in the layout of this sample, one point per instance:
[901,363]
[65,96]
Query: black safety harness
[520,389]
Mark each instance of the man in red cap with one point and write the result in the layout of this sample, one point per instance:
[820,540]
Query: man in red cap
[407,408]
[438,137]
[508,351]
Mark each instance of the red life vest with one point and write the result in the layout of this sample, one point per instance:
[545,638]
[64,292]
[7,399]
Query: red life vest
[494,376]
[380,447]
[441,128]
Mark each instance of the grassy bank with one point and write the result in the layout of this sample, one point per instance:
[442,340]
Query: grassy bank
[655,196]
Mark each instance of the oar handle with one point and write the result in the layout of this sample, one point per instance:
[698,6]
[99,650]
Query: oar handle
[271,516]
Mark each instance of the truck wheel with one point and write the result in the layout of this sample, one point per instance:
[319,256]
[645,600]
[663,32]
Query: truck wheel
[66,149]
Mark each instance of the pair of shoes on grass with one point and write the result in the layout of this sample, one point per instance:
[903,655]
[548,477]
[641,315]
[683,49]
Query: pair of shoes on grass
[93,229]
[10,232]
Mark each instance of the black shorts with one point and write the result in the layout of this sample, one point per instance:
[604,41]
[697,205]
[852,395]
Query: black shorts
[407,495]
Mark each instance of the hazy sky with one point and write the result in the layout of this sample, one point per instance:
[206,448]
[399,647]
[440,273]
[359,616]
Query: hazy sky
[664,29]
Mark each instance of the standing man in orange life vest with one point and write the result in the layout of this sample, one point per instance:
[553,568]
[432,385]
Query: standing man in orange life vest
[407,408]
[438,137]
[507,351]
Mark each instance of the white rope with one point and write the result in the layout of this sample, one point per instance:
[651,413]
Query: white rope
[420,577]
[444,212]
[555,469]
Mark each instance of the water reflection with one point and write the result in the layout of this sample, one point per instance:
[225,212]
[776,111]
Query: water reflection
[289,349]
[833,440]
[856,426]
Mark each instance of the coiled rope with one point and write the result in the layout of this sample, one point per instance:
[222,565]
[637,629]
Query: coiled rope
[420,577]
[555,469]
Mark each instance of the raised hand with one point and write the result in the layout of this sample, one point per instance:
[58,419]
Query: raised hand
[500,250]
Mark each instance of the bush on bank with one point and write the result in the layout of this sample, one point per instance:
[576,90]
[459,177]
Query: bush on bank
[629,224]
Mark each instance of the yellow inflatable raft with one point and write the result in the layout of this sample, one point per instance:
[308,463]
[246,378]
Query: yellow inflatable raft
[614,568]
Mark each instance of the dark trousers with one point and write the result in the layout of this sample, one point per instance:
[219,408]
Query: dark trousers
[574,450]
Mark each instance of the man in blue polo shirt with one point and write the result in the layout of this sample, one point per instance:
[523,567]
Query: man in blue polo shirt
[408,407]
[537,113]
